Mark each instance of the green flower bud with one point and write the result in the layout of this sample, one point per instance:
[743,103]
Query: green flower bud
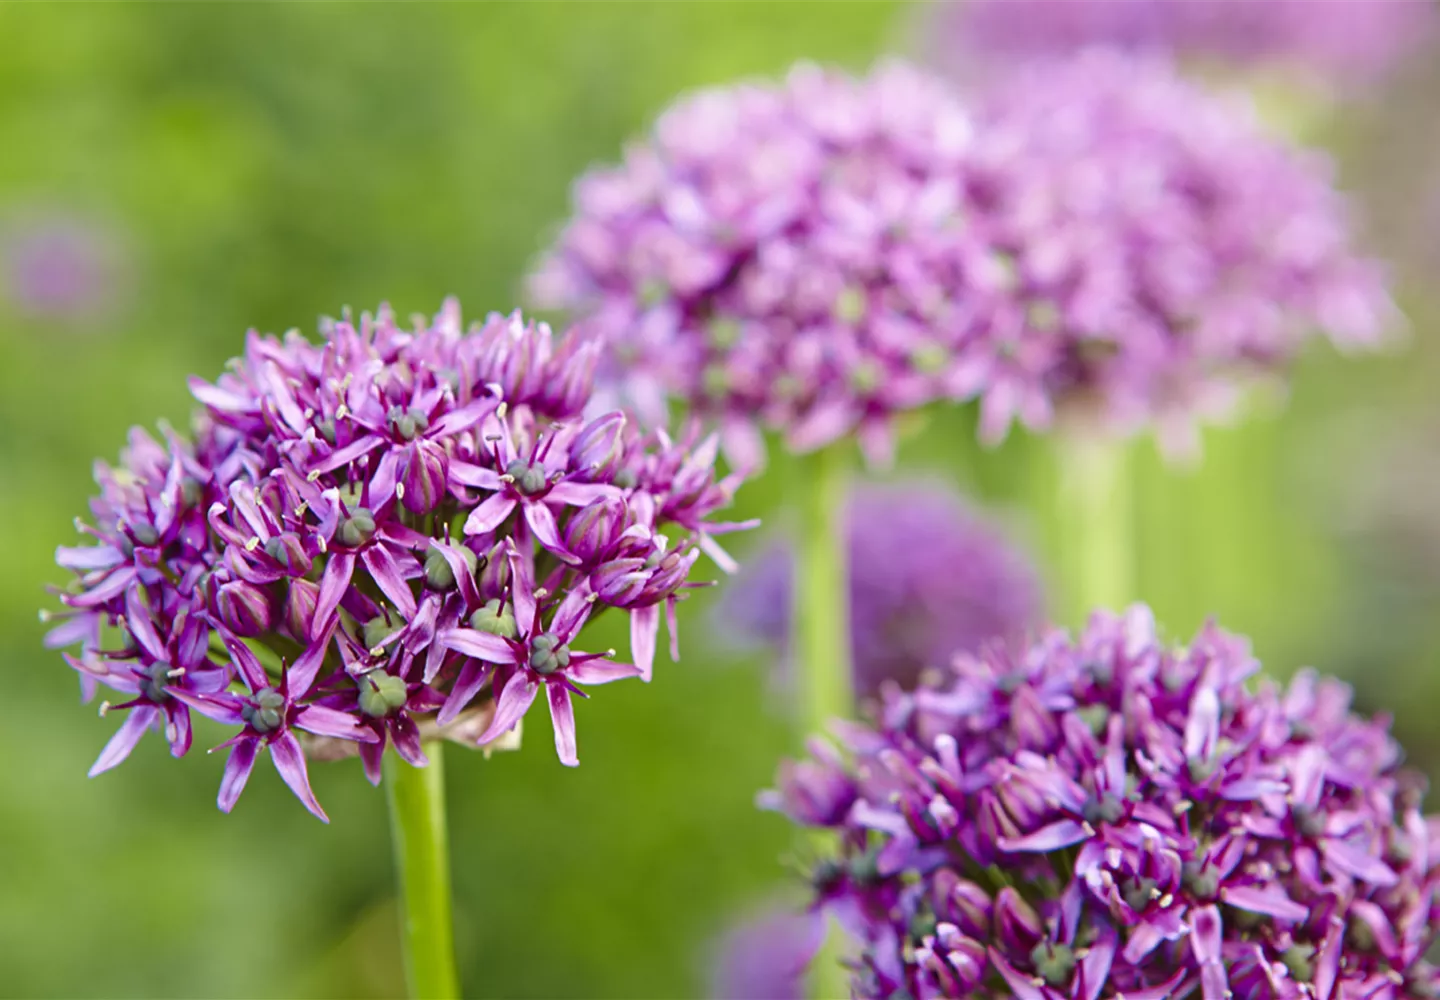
[378,629]
[381,693]
[548,654]
[357,529]
[1299,959]
[406,423]
[438,574]
[266,711]
[495,618]
[1054,962]
[529,479]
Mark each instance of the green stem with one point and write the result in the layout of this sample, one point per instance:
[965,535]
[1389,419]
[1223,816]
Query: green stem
[422,862]
[1096,523]
[822,629]
[822,649]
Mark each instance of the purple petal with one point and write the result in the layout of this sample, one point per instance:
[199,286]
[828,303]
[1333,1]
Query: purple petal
[1205,940]
[382,480]
[515,701]
[562,717]
[332,589]
[370,756]
[1272,902]
[137,620]
[579,494]
[82,628]
[1021,986]
[386,573]
[347,454]
[601,671]
[220,399]
[177,729]
[479,645]
[220,707]
[472,678]
[474,475]
[290,762]
[406,736]
[301,676]
[324,721]
[1358,863]
[644,627]
[112,586]
[87,557]
[244,659]
[462,419]
[547,533]
[125,738]
[237,772]
[1062,833]
[490,514]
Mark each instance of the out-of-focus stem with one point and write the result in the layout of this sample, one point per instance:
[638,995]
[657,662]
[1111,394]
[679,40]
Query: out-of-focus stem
[822,646]
[822,627]
[1096,522]
[422,865]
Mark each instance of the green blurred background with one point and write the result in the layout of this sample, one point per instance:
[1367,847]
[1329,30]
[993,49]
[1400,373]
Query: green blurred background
[219,167]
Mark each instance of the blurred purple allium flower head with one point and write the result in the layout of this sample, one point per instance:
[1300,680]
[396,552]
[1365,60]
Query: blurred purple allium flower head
[794,257]
[57,266]
[1165,250]
[391,533]
[1349,40]
[818,256]
[764,957]
[1118,816]
[929,578]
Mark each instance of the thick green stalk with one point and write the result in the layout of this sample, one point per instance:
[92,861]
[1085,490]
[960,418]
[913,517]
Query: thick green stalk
[422,864]
[822,627]
[822,647]
[1096,521]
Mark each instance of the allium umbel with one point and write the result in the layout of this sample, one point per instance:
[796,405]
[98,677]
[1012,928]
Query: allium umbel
[818,256]
[1114,817]
[387,531]
[929,578]
[1335,39]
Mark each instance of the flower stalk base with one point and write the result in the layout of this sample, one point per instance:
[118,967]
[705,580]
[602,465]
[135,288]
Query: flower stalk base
[422,863]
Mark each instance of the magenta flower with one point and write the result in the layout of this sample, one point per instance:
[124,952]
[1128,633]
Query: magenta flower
[1349,39]
[388,513]
[1117,816]
[764,957]
[1165,252]
[58,266]
[1094,235]
[781,257]
[929,579]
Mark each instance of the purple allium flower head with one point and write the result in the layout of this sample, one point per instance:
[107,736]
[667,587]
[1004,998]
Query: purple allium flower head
[764,956]
[1117,816]
[928,579]
[817,256]
[57,266]
[1164,249]
[372,536]
[1349,39]
[786,257]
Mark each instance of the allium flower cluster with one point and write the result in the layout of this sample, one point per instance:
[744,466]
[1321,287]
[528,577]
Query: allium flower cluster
[790,257]
[818,256]
[387,530]
[928,578]
[1351,39]
[1117,817]
[1165,249]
